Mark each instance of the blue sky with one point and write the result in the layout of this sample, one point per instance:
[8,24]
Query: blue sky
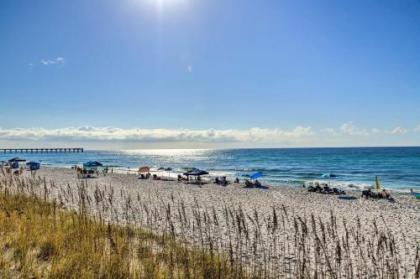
[210,73]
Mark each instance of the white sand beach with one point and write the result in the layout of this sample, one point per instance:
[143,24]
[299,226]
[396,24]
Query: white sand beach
[269,218]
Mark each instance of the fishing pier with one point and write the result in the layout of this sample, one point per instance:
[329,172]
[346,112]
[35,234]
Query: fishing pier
[41,150]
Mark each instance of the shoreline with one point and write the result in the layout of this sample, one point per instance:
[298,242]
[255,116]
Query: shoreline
[344,185]
[341,168]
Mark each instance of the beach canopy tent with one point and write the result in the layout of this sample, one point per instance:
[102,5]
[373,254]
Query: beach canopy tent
[14,162]
[195,172]
[255,175]
[89,169]
[92,164]
[17,159]
[144,169]
[33,166]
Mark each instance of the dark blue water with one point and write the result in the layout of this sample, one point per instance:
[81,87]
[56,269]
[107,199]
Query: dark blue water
[397,167]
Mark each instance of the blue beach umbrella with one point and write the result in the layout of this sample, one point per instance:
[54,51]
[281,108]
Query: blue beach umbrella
[256,175]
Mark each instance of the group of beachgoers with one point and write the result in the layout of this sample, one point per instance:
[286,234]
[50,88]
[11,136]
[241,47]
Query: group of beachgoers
[324,188]
[219,180]
[256,184]
[381,194]
[89,172]
[17,166]
[192,176]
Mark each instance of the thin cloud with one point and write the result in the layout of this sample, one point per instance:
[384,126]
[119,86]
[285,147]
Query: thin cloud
[350,129]
[156,135]
[346,134]
[55,61]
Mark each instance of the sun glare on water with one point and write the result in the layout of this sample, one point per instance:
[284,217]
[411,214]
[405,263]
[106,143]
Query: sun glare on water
[166,152]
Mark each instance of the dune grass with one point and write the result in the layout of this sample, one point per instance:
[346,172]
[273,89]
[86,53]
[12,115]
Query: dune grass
[40,240]
[118,234]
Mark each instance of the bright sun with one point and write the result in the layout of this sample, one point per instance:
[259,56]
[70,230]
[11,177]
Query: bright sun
[162,3]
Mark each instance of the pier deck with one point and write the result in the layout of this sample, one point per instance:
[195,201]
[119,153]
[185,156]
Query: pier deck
[40,150]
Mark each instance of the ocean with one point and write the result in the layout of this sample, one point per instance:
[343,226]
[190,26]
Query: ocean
[397,167]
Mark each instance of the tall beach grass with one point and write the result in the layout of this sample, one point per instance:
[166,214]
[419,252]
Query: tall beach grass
[91,229]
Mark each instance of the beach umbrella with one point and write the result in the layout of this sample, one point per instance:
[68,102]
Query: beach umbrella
[92,164]
[17,159]
[255,175]
[195,172]
[144,169]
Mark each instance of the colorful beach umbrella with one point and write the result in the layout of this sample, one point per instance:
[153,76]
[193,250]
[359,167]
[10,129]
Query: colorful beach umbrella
[144,169]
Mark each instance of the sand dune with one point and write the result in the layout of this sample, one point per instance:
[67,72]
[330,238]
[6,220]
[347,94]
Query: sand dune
[254,226]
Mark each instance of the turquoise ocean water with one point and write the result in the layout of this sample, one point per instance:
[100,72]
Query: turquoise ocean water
[397,167]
